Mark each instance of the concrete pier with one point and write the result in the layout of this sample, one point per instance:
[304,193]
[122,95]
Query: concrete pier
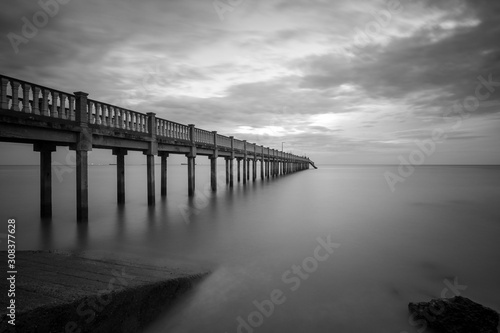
[191,176]
[94,292]
[48,118]
[45,178]
[164,169]
[150,169]
[120,174]
[238,169]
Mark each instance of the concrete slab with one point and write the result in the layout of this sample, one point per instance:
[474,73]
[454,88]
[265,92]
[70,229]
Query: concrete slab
[92,292]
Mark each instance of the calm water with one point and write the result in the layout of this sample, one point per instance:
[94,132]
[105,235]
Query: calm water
[442,223]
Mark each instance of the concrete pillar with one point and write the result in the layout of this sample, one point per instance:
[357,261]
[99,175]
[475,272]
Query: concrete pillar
[163,156]
[238,169]
[150,161]
[248,169]
[150,158]
[82,147]
[191,176]
[245,162]
[191,163]
[231,172]
[231,163]
[254,162]
[120,174]
[262,163]
[45,150]
[213,173]
[213,164]
[82,186]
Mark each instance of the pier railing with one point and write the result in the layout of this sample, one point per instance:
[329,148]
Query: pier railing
[26,97]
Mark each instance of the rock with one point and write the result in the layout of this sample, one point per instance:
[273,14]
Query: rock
[455,315]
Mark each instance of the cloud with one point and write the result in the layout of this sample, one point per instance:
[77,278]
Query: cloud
[319,72]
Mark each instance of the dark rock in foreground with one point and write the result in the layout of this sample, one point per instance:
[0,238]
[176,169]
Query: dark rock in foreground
[456,315]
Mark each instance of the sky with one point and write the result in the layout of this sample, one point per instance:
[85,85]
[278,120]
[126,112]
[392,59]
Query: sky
[347,82]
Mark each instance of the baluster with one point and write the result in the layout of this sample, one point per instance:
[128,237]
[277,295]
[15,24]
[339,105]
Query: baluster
[90,109]
[45,102]
[97,107]
[63,114]
[126,116]
[15,97]
[53,109]
[26,98]
[104,114]
[112,110]
[109,116]
[117,117]
[35,106]
[120,117]
[71,111]
[124,119]
[4,101]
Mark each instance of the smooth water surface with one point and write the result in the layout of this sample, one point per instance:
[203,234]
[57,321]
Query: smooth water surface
[439,228]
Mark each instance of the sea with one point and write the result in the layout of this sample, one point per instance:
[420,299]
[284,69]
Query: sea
[337,249]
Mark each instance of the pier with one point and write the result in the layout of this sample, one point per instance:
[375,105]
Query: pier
[48,118]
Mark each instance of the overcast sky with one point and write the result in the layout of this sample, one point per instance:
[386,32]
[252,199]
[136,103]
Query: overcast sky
[342,81]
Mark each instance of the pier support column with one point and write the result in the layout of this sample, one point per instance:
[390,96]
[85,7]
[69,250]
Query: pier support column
[254,168]
[231,163]
[150,160]
[262,163]
[82,186]
[227,170]
[213,173]
[45,150]
[163,157]
[83,146]
[248,169]
[191,175]
[262,168]
[231,172]
[191,163]
[120,174]
[213,163]
[244,162]
[244,175]
[238,169]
